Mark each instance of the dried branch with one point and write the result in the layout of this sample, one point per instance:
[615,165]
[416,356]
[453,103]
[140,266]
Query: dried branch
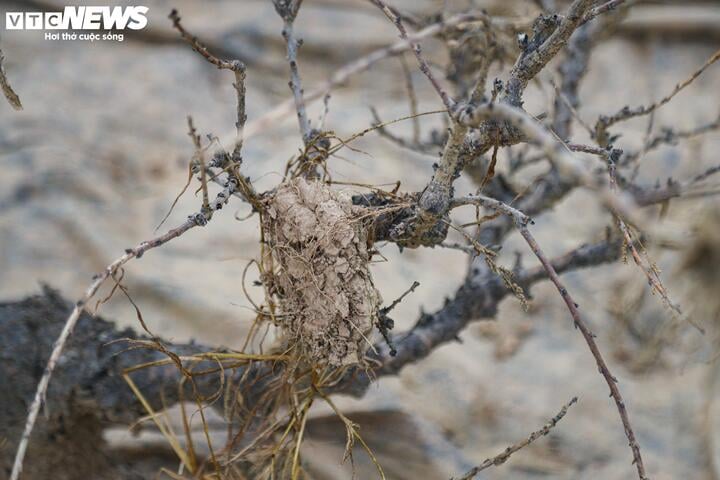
[626,113]
[670,136]
[429,147]
[239,184]
[234,65]
[650,270]
[241,116]
[505,455]
[109,271]
[385,323]
[551,187]
[590,340]
[556,151]
[199,157]
[572,70]
[343,74]
[478,297]
[8,91]
[288,10]
[550,35]
[433,203]
[424,67]
[492,204]
[603,8]
[198,219]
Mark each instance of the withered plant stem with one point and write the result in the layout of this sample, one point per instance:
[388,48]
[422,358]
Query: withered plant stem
[592,345]
[505,455]
[109,271]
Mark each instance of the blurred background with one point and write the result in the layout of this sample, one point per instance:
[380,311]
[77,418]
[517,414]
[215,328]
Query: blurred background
[93,163]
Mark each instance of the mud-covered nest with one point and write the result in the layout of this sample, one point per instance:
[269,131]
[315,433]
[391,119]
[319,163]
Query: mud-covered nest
[318,246]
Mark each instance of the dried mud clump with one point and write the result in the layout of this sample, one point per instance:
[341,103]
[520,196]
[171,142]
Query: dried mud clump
[320,276]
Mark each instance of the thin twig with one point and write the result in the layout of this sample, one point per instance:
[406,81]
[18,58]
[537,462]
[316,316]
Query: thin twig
[493,204]
[424,67]
[344,73]
[521,223]
[627,113]
[242,186]
[412,98]
[241,116]
[236,66]
[424,148]
[233,65]
[192,221]
[590,340]
[199,157]
[600,9]
[397,301]
[288,10]
[8,91]
[555,149]
[651,271]
[503,457]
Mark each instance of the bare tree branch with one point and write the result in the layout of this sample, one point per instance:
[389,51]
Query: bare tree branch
[555,150]
[534,59]
[194,42]
[478,297]
[8,91]
[288,10]
[344,73]
[505,455]
[424,67]
[198,219]
[669,136]
[109,271]
[626,113]
[590,340]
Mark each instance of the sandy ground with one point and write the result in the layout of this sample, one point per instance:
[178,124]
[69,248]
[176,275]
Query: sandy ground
[93,162]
